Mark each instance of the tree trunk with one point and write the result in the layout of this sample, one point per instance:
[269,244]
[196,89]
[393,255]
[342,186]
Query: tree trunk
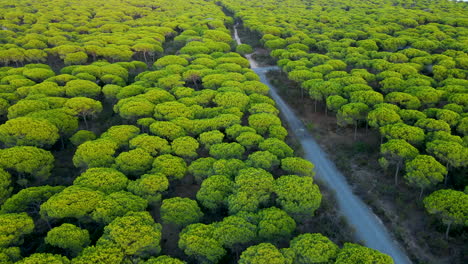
[421,193]
[446,176]
[61,140]
[144,56]
[326,110]
[447,231]
[355,130]
[396,172]
[86,122]
[315,105]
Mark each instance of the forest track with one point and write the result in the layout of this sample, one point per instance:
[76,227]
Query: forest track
[368,227]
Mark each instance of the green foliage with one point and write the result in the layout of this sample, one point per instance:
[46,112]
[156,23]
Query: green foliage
[25,131]
[29,199]
[106,180]
[249,140]
[68,236]
[234,230]
[452,153]
[353,253]
[298,196]
[298,166]
[100,254]
[275,224]
[74,201]
[150,187]
[253,188]
[197,241]
[262,122]
[202,168]
[185,147]
[313,248]
[96,153]
[135,234]
[24,107]
[117,204]
[424,172]
[229,167]
[449,205]
[163,260]
[397,151]
[121,134]
[167,130]
[278,147]
[413,135]
[44,258]
[227,151]
[27,160]
[210,138]
[173,167]
[5,188]
[214,192]
[13,227]
[66,124]
[82,88]
[262,254]
[81,136]
[134,162]
[382,116]
[180,211]
[151,144]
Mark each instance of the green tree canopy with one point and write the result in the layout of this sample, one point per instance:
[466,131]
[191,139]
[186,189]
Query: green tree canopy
[74,201]
[262,254]
[397,151]
[214,192]
[44,258]
[450,206]
[134,162]
[69,237]
[173,167]
[96,153]
[313,248]
[353,253]
[117,204]
[28,131]
[197,241]
[13,227]
[150,187]
[424,172]
[298,196]
[25,160]
[106,180]
[274,224]
[29,199]
[135,234]
[180,211]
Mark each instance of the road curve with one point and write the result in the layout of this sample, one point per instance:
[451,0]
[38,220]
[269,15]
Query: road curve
[369,228]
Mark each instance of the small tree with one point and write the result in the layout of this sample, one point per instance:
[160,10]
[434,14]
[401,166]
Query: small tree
[424,172]
[397,151]
[262,253]
[69,237]
[214,192]
[353,253]
[313,248]
[449,205]
[180,211]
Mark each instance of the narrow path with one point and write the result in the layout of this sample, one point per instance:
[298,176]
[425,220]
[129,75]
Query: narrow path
[369,228]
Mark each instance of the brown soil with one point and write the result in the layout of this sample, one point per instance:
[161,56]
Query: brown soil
[398,206]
